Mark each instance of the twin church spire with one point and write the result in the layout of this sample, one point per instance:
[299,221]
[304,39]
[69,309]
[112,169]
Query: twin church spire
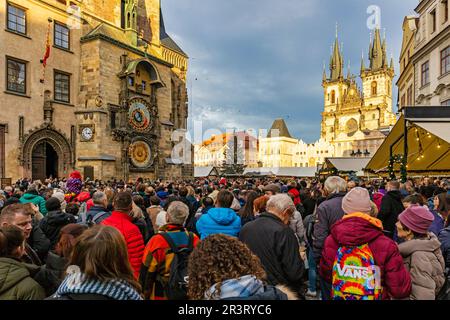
[377,57]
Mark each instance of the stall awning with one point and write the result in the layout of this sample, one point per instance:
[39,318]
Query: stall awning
[428,143]
[347,164]
[203,172]
[299,172]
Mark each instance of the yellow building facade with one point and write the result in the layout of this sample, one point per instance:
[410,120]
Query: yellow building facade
[113,92]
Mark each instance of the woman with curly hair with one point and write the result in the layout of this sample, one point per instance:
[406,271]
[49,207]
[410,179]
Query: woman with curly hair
[223,268]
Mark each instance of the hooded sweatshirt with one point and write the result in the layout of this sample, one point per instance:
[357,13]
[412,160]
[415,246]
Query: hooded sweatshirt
[35,198]
[357,229]
[219,220]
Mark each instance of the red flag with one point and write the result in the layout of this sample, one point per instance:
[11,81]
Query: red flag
[47,51]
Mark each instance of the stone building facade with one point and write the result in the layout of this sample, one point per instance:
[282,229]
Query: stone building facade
[113,93]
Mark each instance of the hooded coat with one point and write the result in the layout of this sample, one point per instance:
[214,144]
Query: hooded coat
[33,197]
[52,224]
[357,229]
[219,220]
[16,282]
[391,207]
[425,263]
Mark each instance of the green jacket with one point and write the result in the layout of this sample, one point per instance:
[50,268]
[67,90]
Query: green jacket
[16,282]
[35,199]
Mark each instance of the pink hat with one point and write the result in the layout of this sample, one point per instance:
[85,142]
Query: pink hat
[417,219]
[357,200]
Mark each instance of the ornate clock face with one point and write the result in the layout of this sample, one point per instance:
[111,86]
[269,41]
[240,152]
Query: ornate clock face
[140,154]
[87,133]
[139,116]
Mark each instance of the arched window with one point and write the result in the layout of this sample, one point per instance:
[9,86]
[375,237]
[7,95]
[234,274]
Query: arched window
[128,20]
[374,88]
[333,96]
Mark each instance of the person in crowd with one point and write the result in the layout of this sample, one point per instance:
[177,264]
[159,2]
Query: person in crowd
[110,195]
[246,213]
[52,273]
[18,215]
[159,253]
[32,195]
[270,238]
[441,205]
[308,201]
[223,268]
[328,212]
[421,252]
[427,189]
[73,209]
[16,282]
[95,273]
[207,204]
[60,196]
[350,185]
[221,219]
[271,189]
[375,251]
[153,211]
[121,218]
[37,239]
[391,207]
[259,205]
[296,224]
[292,189]
[141,219]
[99,211]
[55,219]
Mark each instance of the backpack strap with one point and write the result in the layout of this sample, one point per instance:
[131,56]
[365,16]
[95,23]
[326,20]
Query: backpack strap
[172,244]
[98,215]
[170,241]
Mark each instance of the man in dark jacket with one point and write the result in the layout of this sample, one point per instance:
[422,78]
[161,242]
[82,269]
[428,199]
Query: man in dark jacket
[55,219]
[391,207]
[328,213]
[270,238]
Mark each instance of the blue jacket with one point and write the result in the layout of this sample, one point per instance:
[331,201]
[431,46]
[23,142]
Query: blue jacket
[438,223]
[219,220]
[444,238]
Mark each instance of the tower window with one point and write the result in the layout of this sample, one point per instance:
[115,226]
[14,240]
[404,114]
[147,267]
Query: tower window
[333,96]
[445,60]
[433,20]
[425,73]
[374,88]
[128,20]
[445,10]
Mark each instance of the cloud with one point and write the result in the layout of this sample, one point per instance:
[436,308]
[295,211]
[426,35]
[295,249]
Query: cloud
[252,61]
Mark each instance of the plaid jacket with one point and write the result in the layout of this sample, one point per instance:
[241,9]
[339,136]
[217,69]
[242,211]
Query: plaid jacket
[157,260]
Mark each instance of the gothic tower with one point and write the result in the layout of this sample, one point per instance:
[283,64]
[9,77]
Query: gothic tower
[335,89]
[377,85]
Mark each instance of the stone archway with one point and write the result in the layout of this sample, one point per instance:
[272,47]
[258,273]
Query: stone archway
[45,140]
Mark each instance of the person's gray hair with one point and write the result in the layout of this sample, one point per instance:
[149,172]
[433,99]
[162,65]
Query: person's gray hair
[335,184]
[99,197]
[279,203]
[177,212]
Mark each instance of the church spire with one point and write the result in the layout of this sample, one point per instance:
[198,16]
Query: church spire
[336,63]
[363,66]
[376,53]
[324,77]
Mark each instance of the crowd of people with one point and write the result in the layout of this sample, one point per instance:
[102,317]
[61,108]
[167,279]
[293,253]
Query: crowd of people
[225,239]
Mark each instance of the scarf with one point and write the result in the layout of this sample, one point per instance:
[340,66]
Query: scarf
[242,287]
[77,283]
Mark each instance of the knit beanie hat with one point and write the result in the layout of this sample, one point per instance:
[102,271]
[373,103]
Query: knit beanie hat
[417,219]
[357,200]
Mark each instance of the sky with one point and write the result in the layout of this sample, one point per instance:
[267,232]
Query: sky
[252,61]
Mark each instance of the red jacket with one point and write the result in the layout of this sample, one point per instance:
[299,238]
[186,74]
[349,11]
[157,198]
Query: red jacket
[296,195]
[132,235]
[357,229]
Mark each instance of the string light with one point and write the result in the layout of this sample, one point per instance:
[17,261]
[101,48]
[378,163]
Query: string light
[439,145]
